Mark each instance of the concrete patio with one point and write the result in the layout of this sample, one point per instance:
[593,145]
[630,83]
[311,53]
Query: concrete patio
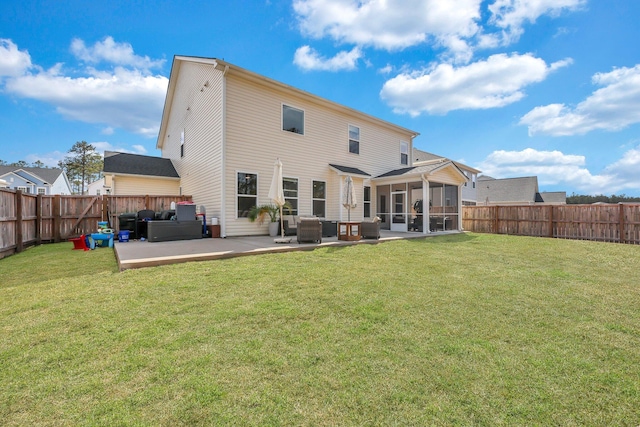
[139,254]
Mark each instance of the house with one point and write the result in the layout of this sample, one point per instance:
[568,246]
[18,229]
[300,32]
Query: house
[134,174]
[45,181]
[223,127]
[515,191]
[469,193]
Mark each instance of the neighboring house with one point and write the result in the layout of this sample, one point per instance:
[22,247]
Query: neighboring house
[96,188]
[133,174]
[469,193]
[515,191]
[223,127]
[46,181]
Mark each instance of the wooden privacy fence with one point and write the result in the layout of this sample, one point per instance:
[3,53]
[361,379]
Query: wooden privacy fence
[28,219]
[618,223]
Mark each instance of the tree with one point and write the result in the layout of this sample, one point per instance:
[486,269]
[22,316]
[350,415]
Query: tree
[83,166]
[38,164]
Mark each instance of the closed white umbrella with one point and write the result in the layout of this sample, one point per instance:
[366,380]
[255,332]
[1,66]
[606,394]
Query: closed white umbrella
[349,196]
[276,192]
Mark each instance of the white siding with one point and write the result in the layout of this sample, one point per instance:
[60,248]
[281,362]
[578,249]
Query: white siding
[197,111]
[255,139]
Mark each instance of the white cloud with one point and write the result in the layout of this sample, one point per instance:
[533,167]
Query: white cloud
[126,98]
[613,107]
[554,168]
[511,15]
[112,52]
[390,24]
[13,62]
[495,82]
[456,27]
[102,146]
[308,59]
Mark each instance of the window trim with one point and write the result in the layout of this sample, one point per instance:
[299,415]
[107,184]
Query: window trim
[349,139]
[314,199]
[44,190]
[304,119]
[237,195]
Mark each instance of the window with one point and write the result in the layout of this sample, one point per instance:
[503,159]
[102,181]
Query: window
[292,120]
[354,139]
[366,202]
[97,192]
[23,189]
[247,193]
[473,178]
[42,190]
[404,153]
[290,187]
[319,198]
[182,144]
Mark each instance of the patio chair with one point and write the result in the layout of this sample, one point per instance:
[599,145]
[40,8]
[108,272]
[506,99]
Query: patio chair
[309,230]
[370,230]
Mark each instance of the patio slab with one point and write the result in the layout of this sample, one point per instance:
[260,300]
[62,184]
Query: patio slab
[139,254]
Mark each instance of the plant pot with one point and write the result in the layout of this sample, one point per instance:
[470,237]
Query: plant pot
[274,229]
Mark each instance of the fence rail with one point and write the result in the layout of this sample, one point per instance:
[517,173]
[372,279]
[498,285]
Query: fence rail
[28,219]
[619,223]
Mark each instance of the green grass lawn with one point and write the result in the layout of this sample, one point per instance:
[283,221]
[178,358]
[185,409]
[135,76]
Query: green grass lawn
[466,329]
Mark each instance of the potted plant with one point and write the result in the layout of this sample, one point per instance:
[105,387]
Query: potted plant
[261,213]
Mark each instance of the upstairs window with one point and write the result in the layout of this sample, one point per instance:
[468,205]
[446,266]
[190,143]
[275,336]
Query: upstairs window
[404,153]
[292,120]
[354,139]
[290,188]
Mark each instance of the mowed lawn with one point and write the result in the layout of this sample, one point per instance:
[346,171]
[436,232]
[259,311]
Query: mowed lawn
[465,329]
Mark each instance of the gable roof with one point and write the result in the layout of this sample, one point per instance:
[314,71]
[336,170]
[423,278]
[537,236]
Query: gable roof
[227,67]
[425,169]
[48,175]
[136,164]
[420,156]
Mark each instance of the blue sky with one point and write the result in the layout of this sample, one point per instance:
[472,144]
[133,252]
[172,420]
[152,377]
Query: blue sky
[511,87]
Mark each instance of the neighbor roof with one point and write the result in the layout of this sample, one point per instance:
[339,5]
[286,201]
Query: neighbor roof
[136,164]
[48,175]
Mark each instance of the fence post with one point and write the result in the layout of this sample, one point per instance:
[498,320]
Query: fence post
[495,220]
[623,238]
[57,220]
[19,236]
[550,220]
[38,224]
[105,210]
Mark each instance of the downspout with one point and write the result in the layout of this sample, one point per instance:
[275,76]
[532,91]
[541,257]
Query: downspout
[223,190]
[425,205]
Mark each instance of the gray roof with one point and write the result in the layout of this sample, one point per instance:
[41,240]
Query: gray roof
[421,156]
[554,196]
[136,164]
[507,190]
[349,169]
[422,169]
[49,175]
